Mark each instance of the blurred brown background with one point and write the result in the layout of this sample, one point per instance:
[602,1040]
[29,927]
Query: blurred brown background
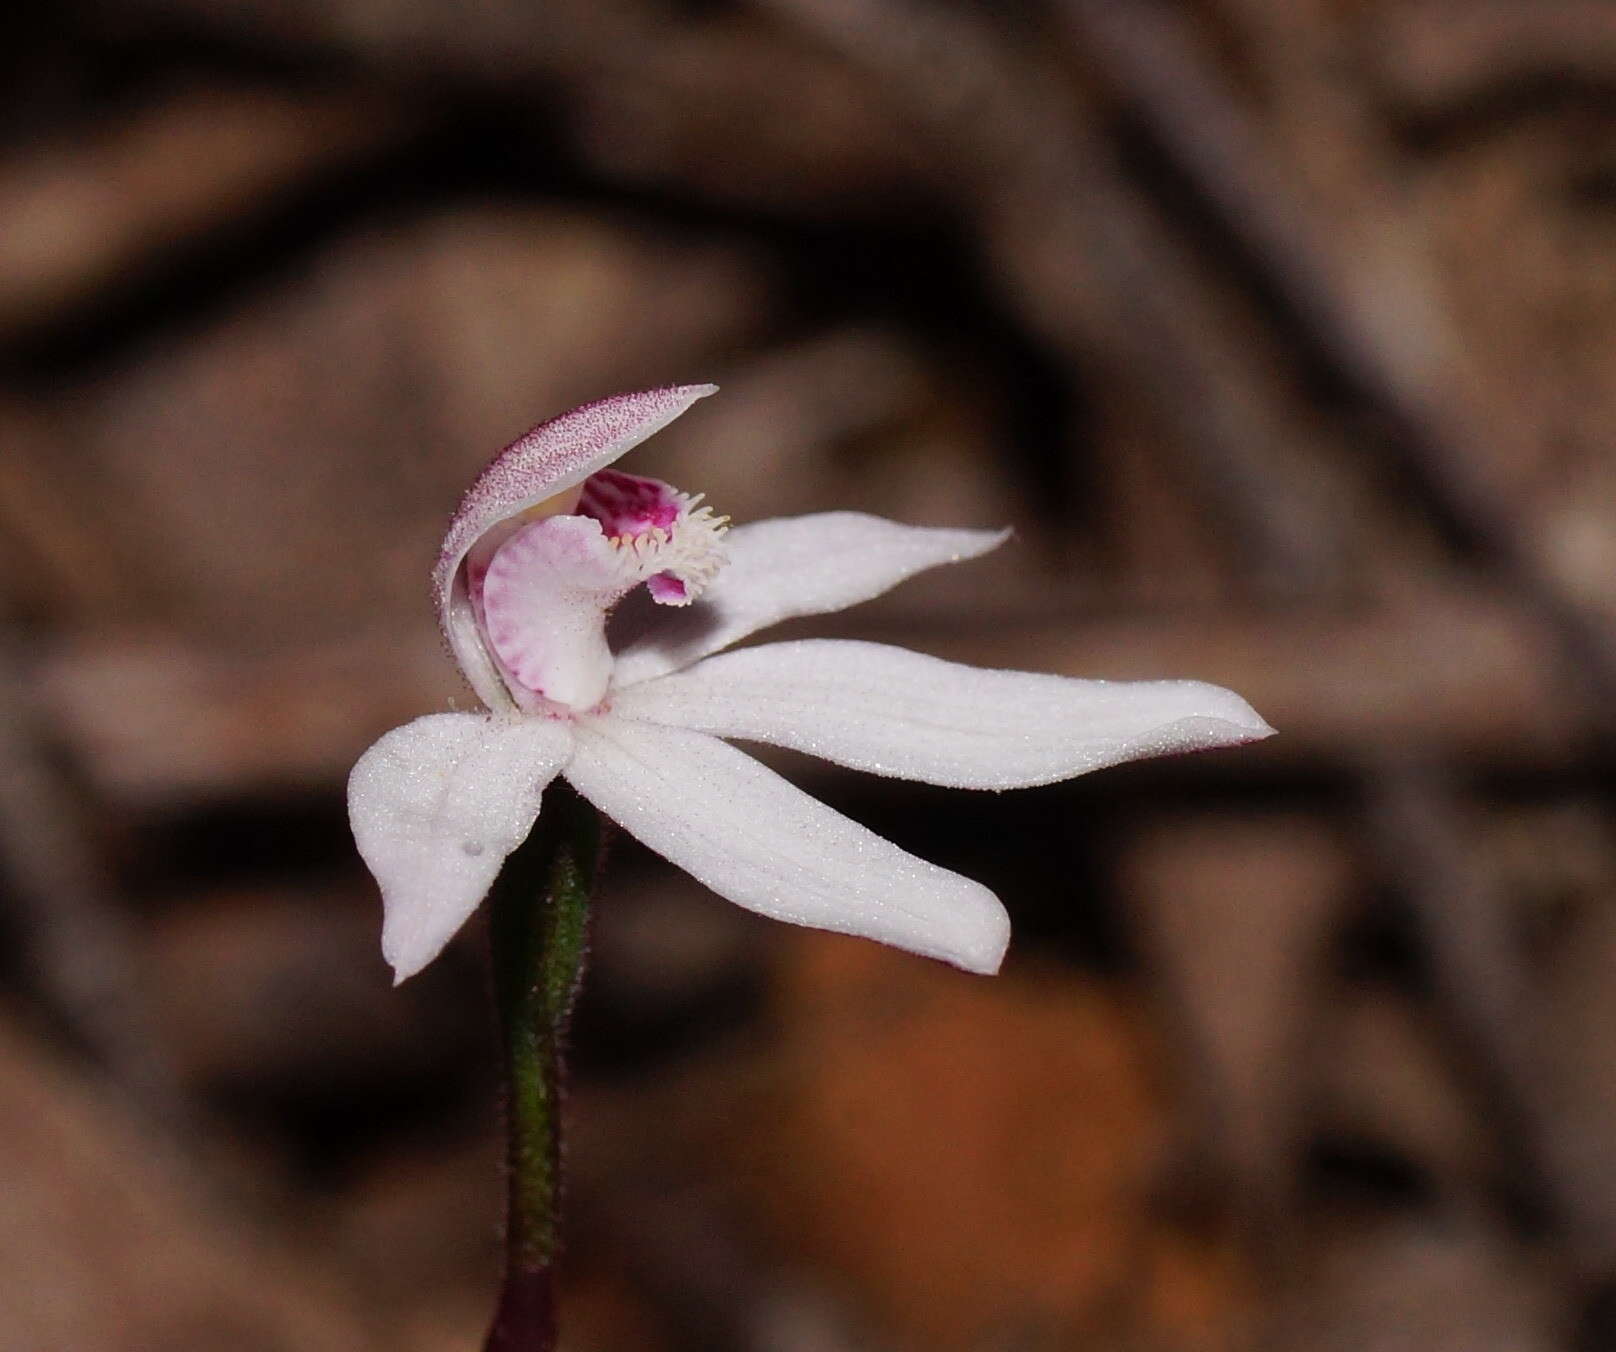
[1283,333]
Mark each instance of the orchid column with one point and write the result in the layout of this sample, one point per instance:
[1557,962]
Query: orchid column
[547,541]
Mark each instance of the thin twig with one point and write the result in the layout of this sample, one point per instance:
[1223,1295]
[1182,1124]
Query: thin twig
[1088,264]
[1436,432]
[1415,818]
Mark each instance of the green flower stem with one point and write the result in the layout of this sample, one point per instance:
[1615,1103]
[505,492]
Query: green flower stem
[538,930]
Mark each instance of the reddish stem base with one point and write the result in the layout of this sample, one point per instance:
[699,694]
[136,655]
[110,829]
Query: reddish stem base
[526,1318]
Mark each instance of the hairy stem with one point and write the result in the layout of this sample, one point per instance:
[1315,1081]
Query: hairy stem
[538,930]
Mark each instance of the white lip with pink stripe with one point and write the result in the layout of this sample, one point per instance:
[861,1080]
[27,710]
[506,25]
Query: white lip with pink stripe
[542,599]
[549,539]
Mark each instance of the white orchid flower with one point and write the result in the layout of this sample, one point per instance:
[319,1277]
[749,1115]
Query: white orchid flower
[548,539]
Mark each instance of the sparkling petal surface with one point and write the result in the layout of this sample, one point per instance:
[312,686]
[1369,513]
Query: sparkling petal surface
[894,712]
[435,807]
[803,565]
[553,457]
[751,837]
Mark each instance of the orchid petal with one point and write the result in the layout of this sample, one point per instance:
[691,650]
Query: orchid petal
[791,566]
[750,836]
[553,457]
[435,807]
[894,712]
[544,597]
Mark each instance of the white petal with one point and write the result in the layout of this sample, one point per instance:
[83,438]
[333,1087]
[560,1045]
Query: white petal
[545,600]
[435,807]
[895,712]
[800,565]
[743,831]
